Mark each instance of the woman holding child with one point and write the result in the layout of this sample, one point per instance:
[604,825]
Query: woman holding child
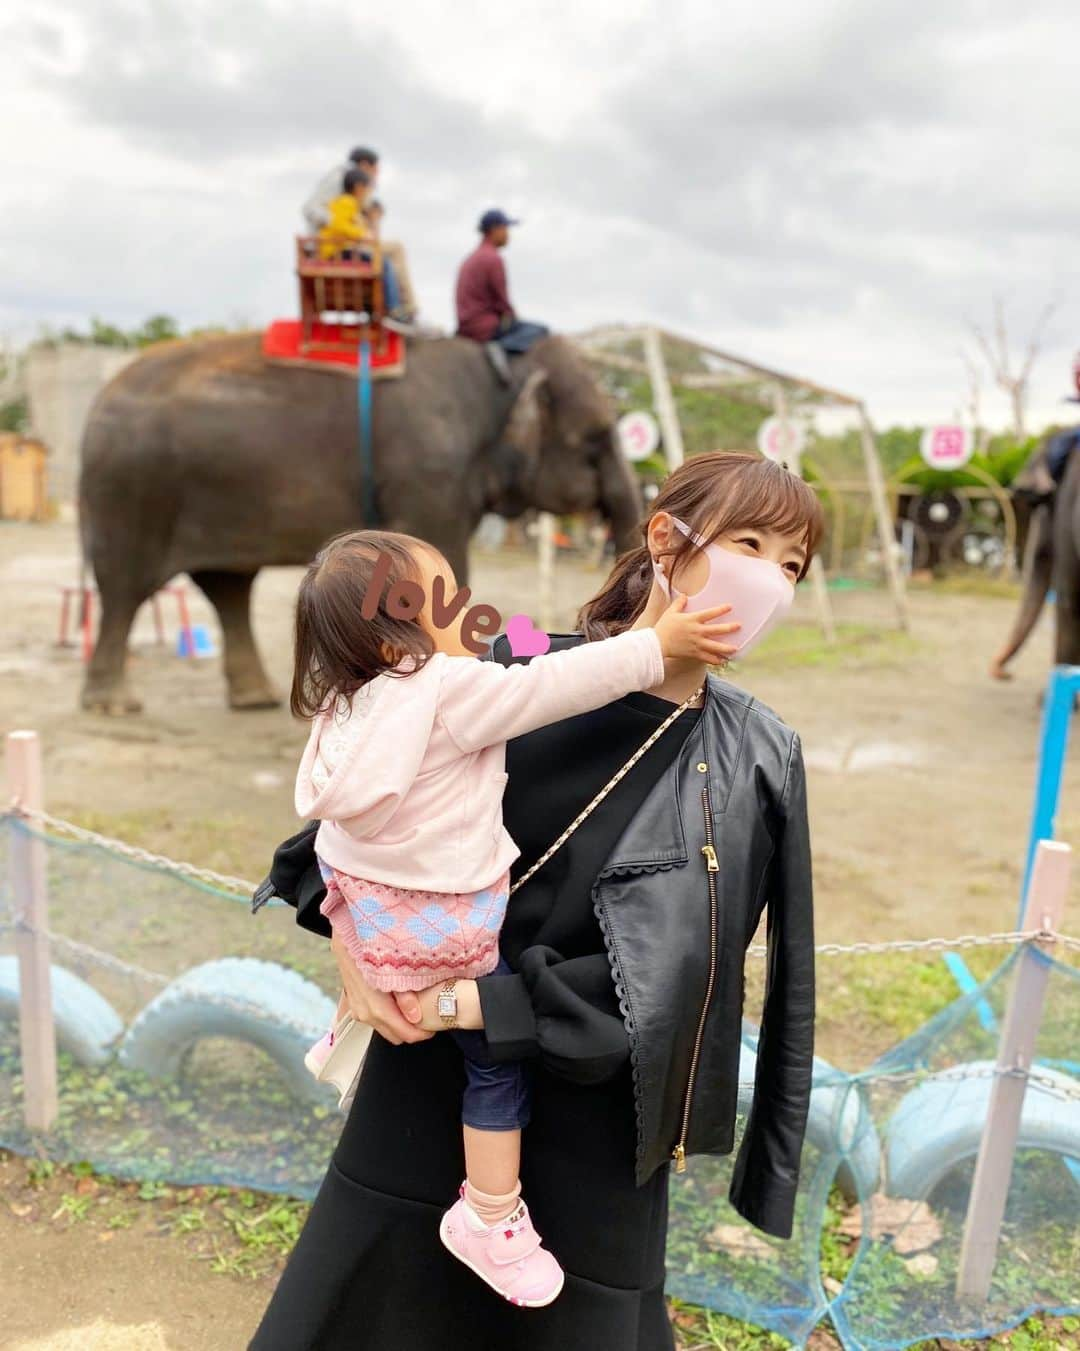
[657,818]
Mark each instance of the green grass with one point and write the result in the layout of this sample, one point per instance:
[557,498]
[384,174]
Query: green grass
[803,645]
[968,582]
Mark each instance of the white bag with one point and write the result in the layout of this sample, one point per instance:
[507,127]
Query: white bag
[343,1065]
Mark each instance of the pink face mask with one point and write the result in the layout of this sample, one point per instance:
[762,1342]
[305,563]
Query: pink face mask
[756,589]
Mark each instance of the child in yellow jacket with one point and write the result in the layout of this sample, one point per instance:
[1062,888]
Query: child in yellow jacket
[345,235]
[347,225]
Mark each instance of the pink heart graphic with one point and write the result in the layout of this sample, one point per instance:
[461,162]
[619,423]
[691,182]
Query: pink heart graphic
[525,641]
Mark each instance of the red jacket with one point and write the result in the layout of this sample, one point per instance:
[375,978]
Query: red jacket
[482,299]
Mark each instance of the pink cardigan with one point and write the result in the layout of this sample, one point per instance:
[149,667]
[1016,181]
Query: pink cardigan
[418,801]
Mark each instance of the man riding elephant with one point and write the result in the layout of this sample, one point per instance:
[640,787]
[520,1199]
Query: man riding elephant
[484,311]
[1046,495]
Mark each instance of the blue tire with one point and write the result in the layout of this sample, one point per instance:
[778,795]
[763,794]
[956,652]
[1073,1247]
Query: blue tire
[939,1124]
[242,998]
[87,1026]
[838,1124]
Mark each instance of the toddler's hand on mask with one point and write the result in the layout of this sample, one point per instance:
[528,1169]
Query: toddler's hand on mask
[695,636]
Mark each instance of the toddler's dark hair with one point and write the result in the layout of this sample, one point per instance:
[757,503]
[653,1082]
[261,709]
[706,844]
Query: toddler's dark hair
[336,650]
[352,177]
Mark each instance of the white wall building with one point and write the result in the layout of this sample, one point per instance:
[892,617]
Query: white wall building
[61,385]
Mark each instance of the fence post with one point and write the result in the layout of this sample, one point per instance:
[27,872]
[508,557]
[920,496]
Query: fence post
[663,399]
[545,556]
[1058,700]
[997,1148]
[817,569]
[883,515]
[37,1034]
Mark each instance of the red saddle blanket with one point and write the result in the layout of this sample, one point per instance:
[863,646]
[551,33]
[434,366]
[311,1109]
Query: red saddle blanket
[281,343]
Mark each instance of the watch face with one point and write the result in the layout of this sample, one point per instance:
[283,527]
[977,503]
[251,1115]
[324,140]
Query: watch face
[447,1005]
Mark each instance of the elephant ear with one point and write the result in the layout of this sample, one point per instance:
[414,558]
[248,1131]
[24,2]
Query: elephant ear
[516,458]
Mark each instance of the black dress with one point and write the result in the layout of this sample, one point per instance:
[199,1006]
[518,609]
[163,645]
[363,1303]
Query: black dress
[368,1272]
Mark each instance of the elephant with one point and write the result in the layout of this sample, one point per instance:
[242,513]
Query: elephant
[203,457]
[1048,534]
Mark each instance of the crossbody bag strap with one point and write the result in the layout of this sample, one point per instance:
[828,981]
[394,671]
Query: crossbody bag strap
[590,807]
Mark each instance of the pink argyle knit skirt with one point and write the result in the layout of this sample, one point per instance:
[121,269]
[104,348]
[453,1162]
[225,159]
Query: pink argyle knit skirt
[408,940]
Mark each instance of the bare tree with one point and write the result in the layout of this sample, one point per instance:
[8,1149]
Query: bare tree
[995,348]
[973,401]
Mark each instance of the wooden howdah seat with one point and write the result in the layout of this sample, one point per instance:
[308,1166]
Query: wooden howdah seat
[346,292]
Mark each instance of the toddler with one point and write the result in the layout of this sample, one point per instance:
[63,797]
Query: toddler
[404,767]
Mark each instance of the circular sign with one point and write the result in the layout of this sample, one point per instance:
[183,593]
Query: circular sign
[947,447]
[781,439]
[639,435]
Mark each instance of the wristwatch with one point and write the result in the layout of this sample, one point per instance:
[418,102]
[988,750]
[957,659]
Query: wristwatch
[446,1006]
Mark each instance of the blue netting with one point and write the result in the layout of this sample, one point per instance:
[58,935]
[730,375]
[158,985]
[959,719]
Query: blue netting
[897,1142]
[181,1062]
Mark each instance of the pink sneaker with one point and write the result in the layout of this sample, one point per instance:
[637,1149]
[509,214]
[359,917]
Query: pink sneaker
[317,1057]
[507,1256]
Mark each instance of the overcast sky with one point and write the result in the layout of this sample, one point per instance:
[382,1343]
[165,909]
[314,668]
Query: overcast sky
[832,187]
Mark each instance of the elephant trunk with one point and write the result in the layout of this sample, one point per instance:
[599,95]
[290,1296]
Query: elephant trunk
[1038,568]
[620,499]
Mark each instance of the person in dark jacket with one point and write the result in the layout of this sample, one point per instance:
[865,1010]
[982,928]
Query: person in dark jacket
[625,991]
[484,311]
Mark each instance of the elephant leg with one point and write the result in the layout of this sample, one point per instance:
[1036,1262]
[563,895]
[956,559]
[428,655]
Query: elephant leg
[230,595]
[105,688]
[1067,630]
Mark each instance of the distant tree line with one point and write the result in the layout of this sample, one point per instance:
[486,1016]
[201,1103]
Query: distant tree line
[158,328]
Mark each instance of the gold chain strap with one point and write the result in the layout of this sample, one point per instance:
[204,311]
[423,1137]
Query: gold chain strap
[619,775]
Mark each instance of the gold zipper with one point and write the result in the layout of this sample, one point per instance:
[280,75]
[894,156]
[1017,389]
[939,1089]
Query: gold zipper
[712,866]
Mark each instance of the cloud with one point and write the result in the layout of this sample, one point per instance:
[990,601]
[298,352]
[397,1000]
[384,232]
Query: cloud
[833,186]
[209,84]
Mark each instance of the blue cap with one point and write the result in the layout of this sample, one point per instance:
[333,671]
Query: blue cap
[490,220]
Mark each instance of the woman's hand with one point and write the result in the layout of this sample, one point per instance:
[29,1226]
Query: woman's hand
[694,636]
[373,1007]
[421,1008]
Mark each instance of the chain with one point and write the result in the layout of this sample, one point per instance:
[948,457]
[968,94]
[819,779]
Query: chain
[615,778]
[91,954]
[1053,1087]
[1015,936]
[88,953]
[221,881]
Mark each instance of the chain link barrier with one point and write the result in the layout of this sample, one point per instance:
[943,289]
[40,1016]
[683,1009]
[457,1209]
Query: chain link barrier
[1054,1087]
[1012,937]
[87,954]
[239,886]
[206,876]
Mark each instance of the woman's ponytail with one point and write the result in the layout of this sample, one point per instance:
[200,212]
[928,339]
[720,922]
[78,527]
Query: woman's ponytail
[621,599]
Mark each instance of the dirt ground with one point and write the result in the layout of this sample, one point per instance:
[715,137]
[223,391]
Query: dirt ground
[89,1268]
[921,771]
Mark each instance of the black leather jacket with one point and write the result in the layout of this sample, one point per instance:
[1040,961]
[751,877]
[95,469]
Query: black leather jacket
[721,837]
